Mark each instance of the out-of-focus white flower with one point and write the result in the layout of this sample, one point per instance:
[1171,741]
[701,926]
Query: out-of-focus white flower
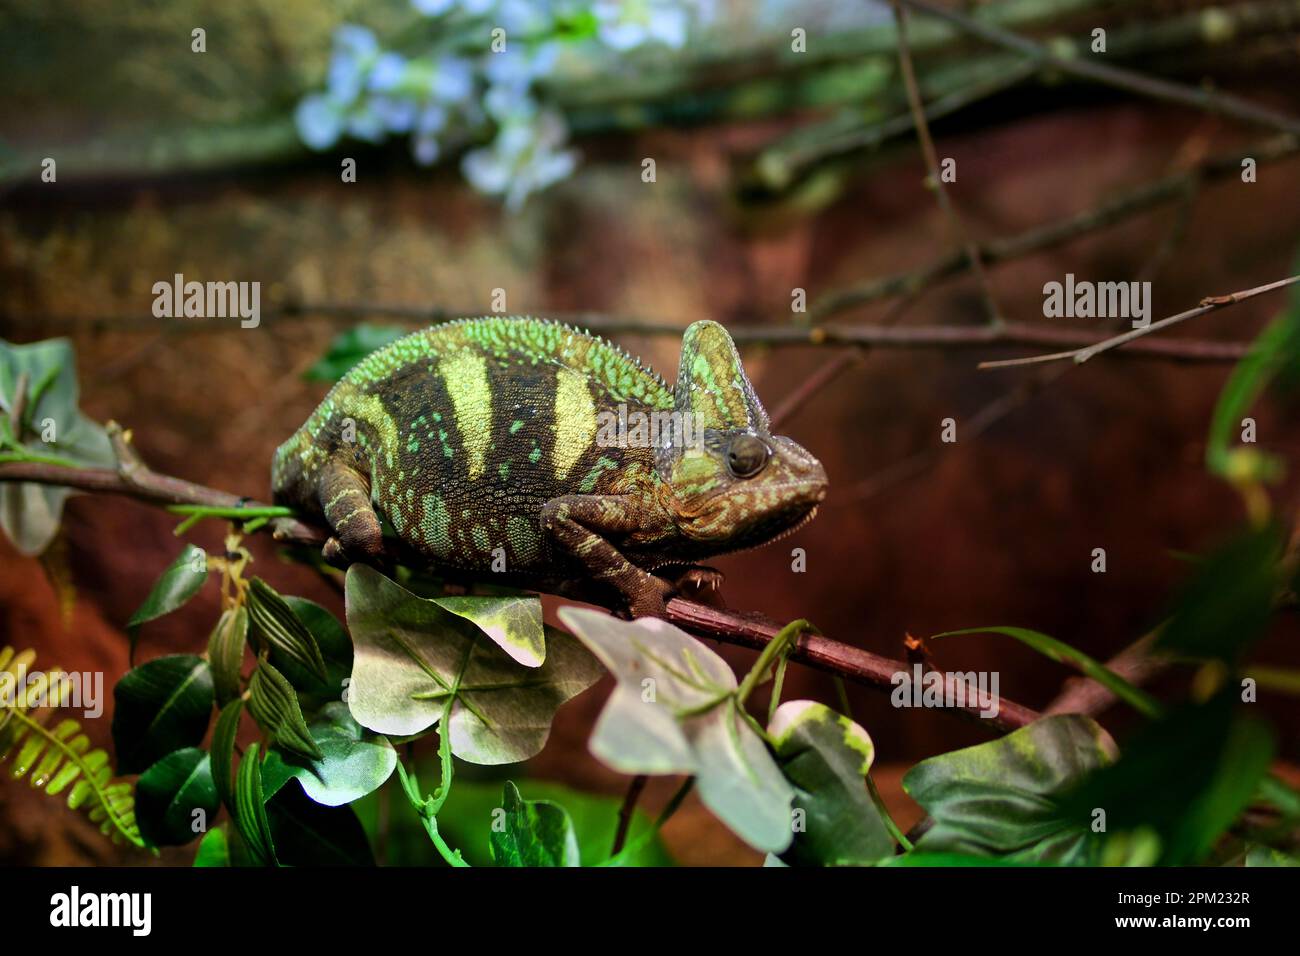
[319,120]
[526,156]
[453,79]
[387,72]
[355,50]
[626,24]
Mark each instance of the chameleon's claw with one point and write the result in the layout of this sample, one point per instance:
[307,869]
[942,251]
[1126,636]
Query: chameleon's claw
[701,584]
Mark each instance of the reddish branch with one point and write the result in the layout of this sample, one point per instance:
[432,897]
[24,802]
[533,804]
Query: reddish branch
[136,480]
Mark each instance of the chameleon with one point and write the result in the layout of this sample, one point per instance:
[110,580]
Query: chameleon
[494,444]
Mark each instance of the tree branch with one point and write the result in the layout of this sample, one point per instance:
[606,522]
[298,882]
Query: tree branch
[134,479]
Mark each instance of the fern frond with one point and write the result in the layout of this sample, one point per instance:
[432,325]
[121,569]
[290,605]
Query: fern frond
[60,758]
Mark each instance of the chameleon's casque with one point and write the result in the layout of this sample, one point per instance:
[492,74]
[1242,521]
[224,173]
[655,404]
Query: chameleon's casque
[486,444]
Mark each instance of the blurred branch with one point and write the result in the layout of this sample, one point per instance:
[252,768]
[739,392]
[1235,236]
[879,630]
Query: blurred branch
[1124,206]
[1209,304]
[134,479]
[935,177]
[1072,62]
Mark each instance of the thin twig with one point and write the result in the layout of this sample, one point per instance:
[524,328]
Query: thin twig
[960,236]
[1132,81]
[1209,304]
[813,384]
[627,811]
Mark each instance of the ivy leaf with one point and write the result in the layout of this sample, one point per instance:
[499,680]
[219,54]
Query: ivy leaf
[273,624]
[168,794]
[674,710]
[160,706]
[513,623]
[536,833]
[226,653]
[826,757]
[30,513]
[309,834]
[350,347]
[274,705]
[353,761]
[1009,798]
[1204,762]
[412,656]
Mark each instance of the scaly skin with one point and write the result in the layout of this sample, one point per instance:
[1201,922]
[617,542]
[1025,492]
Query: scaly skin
[483,446]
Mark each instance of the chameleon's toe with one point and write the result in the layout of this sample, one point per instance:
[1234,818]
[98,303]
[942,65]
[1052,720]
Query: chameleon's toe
[701,584]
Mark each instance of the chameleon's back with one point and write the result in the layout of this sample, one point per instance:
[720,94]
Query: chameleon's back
[465,430]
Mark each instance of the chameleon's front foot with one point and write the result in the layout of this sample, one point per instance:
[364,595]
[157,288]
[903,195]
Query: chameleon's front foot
[701,584]
[649,597]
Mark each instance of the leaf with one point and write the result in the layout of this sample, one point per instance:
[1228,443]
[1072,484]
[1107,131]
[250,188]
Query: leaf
[250,810]
[160,706]
[826,758]
[168,794]
[353,761]
[674,710]
[1226,605]
[60,758]
[274,705]
[1059,651]
[181,580]
[309,834]
[226,653]
[350,347]
[214,849]
[336,652]
[1275,354]
[273,624]
[513,623]
[1007,798]
[1267,856]
[223,753]
[412,656]
[534,833]
[1184,779]
[30,513]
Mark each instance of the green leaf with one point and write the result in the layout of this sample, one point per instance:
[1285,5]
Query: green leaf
[1267,856]
[826,758]
[226,653]
[1227,604]
[1059,651]
[273,624]
[1007,798]
[169,793]
[274,705]
[349,348]
[533,833]
[917,858]
[336,651]
[353,761]
[160,706]
[674,711]
[250,810]
[1275,354]
[181,580]
[30,513]
[214,849]
[412,656]
[1183,779]
[309,834]
[513,623]
[223,753]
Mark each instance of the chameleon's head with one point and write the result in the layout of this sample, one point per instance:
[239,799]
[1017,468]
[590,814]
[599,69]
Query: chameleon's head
[731,480]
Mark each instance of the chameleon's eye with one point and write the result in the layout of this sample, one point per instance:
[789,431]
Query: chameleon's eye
[746,456]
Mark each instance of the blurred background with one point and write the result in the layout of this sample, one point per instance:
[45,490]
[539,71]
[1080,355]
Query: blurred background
[775,169]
